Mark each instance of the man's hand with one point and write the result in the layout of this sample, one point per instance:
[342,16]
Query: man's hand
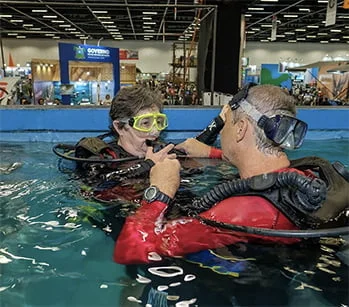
[161,154]
[165,175]
[194,148]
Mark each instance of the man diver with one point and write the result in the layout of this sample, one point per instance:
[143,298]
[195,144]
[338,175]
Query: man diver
[271,193]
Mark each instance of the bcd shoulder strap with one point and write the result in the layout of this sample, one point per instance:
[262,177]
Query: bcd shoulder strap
[91,146]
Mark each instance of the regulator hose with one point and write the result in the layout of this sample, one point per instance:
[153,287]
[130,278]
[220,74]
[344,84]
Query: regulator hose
[309,192]
[308,233]
[70,148]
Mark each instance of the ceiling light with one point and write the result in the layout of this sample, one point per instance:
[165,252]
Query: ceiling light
[322,1]
[290,16]
[250,32]
[256,8]
[103,17]
[269,0]
[301,38]
[147,18]
[16,20]
[312,27]
[346,37]
[36,29]
[100,12]
[12,34]
[280,35]
[255,29]
[55,37]
[300,30]
[28,25]
[49,16]
[335,39]
[64,26]
[148,30]
[111,27]
[149,23]
[21,36]
[292,41]
[311,36]
[57,21]
[304,10]
[150,13]
[107,22]
[49,34]
[289,33]
[5,16]
[248,15]
[336,30]
[39,11]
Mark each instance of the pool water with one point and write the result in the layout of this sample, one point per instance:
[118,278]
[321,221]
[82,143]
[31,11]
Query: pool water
[51,254]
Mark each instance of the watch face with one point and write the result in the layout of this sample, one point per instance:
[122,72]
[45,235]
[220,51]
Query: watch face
[150,193]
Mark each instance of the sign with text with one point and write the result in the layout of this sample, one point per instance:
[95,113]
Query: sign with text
[126,54]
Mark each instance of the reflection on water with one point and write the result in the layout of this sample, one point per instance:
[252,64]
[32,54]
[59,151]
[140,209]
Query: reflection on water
[53,252]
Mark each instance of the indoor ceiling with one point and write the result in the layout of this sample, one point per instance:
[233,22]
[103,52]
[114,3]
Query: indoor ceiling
[297,21]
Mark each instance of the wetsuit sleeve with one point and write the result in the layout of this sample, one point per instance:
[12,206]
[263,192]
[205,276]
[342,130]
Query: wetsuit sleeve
[215,153]
[147,231]
[210,133]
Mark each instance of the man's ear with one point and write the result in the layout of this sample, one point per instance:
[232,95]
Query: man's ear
[241,129]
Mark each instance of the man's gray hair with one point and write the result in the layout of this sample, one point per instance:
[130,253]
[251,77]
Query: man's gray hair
[269,100]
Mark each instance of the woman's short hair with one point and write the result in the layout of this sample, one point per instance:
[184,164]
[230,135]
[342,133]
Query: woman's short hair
[130,100]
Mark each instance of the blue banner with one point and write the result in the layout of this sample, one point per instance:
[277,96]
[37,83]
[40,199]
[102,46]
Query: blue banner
[87,53]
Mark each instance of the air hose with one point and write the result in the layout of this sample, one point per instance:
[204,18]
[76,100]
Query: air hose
[304,233]
[68,149]
[309,192]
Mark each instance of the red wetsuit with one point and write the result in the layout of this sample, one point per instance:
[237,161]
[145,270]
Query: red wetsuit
[148,231]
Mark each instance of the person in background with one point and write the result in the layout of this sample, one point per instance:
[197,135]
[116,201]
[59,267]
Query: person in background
[107,100]
[24,101]
[41,101]
[259,124]
[57,101]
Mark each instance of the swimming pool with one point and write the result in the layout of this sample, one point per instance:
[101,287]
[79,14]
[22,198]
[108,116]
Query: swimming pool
[49,258]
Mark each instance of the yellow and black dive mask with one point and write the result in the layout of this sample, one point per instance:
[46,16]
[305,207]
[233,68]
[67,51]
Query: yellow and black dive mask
[146,122]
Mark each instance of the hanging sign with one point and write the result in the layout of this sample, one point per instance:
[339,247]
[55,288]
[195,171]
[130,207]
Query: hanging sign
[274,24]
[331,12]
[128,54]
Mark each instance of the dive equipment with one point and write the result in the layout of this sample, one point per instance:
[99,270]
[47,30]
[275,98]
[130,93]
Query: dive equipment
[153,193]
[69,154]
[146,122]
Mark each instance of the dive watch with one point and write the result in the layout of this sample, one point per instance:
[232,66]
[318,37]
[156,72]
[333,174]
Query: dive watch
[153,193]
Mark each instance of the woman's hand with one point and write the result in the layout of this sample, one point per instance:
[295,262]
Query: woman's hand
[165,175]
[161,154]
[194,148]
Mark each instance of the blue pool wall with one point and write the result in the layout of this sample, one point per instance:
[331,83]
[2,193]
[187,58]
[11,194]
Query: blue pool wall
[68,123]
